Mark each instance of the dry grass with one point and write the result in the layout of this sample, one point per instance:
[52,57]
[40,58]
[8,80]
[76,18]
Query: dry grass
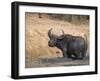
[37,37]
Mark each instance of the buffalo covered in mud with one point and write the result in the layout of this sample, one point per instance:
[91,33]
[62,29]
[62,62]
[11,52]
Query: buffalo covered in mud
[73,47]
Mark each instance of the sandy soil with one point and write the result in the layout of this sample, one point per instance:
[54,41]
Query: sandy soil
[37,38]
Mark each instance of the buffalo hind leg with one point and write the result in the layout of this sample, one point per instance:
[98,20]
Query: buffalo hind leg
[81,56]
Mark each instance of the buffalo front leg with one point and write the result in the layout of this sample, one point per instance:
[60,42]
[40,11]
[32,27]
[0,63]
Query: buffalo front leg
[64,54]
[64,51]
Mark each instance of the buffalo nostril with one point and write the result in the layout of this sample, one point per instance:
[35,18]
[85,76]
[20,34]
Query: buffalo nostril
[50,44]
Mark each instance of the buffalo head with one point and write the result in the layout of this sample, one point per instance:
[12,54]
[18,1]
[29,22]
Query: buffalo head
[54,39]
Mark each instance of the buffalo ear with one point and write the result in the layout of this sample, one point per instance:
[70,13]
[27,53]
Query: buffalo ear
[49,33]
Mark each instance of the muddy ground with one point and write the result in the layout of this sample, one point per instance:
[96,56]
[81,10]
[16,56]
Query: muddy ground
[59,61]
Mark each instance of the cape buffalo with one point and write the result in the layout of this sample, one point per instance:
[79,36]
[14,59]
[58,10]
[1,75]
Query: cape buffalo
[73,47]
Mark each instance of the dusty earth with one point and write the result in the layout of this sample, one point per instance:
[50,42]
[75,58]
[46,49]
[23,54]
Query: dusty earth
[38,53]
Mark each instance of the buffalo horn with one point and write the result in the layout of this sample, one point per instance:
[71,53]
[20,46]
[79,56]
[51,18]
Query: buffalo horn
[49,33]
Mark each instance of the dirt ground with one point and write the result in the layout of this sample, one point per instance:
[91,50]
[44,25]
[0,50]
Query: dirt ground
[37,51]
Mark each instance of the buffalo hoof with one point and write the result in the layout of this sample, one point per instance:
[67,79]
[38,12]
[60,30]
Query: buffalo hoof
[77,58]
[80,58]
